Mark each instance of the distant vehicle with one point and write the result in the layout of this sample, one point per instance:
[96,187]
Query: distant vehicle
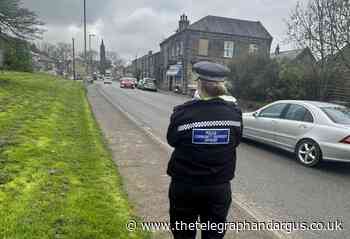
[127,82]
[149,84]
[312,130]
[107,80]
[89,79]
[108,73]
[78,77]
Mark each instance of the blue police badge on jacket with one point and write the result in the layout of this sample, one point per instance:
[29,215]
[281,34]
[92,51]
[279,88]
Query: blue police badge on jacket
[210,136]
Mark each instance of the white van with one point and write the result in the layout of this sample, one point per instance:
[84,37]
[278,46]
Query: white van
[108,77]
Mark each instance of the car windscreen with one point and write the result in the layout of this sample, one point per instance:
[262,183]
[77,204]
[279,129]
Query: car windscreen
[339,115]
[149,81]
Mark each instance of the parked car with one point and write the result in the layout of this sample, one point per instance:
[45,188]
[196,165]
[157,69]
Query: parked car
[94,76]
[140,84]
[127,82]
[149,84]
[314,131]
[107,80]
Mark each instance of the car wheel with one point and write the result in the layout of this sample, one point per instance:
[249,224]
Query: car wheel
[308,153]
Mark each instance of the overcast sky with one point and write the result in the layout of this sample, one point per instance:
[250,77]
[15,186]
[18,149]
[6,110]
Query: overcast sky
[132,27]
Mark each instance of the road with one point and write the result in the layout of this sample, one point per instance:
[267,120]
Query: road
[269,182]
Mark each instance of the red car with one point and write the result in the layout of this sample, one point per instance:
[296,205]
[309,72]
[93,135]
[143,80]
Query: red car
[127,83]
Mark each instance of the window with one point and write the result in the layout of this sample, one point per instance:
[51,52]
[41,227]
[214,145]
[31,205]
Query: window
[339,115]
[273,111]
[308,117]
[298,113]
[228,49]
[253,49]
[203,47]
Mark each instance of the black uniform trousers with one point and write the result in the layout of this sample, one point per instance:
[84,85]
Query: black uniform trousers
[208,203]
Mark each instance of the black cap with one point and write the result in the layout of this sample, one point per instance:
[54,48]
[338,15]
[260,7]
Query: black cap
[211,71]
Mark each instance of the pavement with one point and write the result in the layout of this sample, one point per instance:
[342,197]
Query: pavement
[269,183]
[142,159]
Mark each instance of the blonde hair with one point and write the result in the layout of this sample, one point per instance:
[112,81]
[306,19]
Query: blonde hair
[212,88]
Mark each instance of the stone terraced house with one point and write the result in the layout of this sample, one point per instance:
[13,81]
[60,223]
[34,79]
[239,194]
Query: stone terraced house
[212,38]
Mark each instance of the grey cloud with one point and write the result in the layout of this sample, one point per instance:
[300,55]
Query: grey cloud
[61,12]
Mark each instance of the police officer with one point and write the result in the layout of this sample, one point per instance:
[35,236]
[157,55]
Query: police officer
[205,133]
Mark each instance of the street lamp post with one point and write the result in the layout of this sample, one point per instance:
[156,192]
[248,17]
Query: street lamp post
[74,73]
[90,51]
[85,50]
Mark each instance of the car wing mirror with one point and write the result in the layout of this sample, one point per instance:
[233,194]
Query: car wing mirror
[256,114]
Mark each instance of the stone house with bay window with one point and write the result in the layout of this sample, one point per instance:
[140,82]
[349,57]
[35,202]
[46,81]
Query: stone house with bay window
[212,38]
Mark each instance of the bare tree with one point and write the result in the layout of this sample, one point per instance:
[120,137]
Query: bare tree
[324,27]
[338,28]
[18,22]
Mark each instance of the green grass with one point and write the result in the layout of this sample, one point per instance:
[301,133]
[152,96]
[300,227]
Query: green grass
[57,178]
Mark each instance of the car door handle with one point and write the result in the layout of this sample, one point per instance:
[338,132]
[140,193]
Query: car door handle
[302,126]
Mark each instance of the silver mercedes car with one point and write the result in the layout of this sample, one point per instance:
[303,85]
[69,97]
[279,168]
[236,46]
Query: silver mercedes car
[315,131]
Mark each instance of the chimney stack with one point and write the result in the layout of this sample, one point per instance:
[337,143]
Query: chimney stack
[183,23]
[187,22]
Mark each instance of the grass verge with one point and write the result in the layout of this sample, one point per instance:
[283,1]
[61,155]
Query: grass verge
[57,178]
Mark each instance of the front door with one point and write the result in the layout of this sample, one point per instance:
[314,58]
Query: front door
[264,124]
[295,123]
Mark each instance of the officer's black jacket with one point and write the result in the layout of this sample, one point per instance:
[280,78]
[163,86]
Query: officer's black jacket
[204,164]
